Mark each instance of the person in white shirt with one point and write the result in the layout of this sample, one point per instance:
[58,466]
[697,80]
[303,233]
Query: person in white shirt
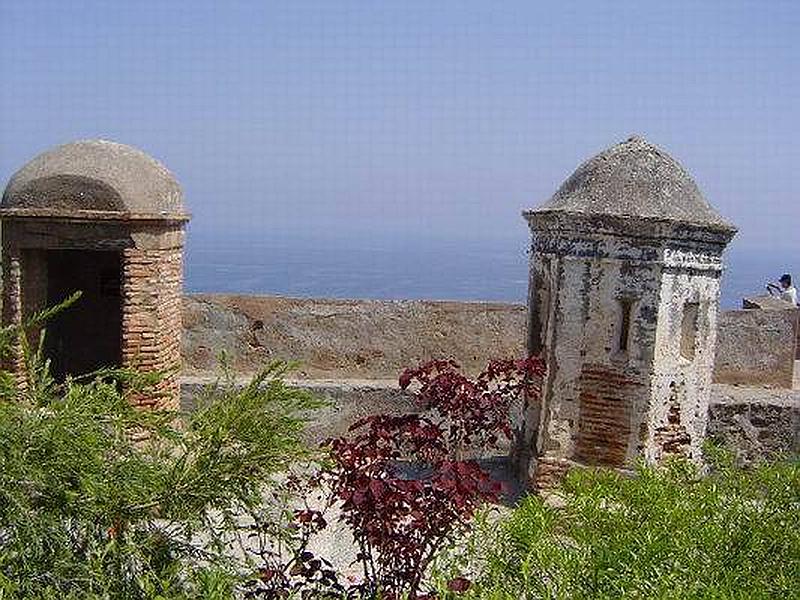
[784,289]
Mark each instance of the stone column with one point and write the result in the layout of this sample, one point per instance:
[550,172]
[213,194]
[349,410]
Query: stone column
[14,361]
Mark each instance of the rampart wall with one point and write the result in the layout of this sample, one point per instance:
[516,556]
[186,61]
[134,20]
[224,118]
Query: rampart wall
[352,351]
[376,339]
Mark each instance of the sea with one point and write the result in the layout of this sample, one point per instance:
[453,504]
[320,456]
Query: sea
[341,264]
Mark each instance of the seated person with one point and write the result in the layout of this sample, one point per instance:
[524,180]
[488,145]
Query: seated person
[784,289]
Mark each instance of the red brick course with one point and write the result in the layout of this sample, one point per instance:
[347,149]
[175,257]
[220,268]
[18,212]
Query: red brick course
[605,411]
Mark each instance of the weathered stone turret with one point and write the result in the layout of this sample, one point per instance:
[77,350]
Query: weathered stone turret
[108,220]
[623,299]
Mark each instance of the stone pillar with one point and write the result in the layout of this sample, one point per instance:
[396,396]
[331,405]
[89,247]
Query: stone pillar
[14,361]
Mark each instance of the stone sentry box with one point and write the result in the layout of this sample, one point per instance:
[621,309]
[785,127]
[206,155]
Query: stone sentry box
[623,299]
[108,220]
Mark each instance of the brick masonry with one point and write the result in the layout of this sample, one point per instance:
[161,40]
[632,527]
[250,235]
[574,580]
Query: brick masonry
[108,220]
[607,398]
[12,314]
[151,318]
[151,281]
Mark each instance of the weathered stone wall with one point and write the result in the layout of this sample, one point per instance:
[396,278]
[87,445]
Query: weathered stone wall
[349,401]
[373,339]
[755,423]
[346,339]
[584,415]
[769,302]
[756,347]
[684,352]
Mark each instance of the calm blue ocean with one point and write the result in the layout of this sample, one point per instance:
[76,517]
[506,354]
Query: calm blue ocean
[359,265]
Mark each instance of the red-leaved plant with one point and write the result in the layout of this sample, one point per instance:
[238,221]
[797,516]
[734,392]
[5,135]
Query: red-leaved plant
[404,483]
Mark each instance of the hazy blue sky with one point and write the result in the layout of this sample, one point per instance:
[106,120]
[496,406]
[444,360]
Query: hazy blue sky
[406,115]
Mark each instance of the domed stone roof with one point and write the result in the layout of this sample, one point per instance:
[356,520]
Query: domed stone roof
[634,179]
[95,175]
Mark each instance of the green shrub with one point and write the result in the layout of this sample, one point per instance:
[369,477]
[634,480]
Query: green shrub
[665,533]
[101,500]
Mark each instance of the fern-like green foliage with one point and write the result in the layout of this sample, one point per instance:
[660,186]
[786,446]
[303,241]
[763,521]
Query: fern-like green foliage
[102,500]
[665,533]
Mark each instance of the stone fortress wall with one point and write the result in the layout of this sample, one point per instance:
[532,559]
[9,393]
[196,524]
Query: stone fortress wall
[346,339]
[376,339]
[626,259]
[353,350]
[757,347]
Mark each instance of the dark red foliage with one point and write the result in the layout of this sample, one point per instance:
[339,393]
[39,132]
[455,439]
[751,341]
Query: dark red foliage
[402,483]
[459,584]
[311,519]
[476,411]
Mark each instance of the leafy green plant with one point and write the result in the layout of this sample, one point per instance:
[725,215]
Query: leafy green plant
[667,532]
[101,500]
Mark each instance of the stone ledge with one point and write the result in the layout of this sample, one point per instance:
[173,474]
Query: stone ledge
[753,422]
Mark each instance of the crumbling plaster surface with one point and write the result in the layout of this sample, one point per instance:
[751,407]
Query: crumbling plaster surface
[628,254]
[585,312]
[680,385]
[606,399]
